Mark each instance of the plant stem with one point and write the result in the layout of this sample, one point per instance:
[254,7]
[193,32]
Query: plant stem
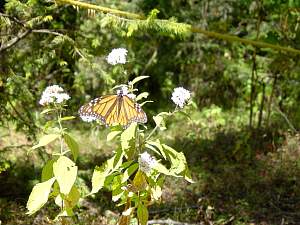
[61,130]
[271,99]
[262,103]
[152,132]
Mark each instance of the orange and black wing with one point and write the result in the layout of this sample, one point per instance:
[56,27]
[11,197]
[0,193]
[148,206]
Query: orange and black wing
[113,109]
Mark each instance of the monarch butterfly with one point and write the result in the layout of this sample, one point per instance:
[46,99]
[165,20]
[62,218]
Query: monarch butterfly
[113,109]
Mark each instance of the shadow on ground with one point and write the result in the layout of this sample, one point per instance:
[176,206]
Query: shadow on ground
[246,177]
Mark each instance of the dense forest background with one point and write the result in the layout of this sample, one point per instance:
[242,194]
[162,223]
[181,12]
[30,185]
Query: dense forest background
[241,141]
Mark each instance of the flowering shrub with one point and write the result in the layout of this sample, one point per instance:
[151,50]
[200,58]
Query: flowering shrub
[136,171]
[117,56]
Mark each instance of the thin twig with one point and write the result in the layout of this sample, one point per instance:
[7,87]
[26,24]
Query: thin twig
[149,62]
[271,99]
[18,113]
[286,119]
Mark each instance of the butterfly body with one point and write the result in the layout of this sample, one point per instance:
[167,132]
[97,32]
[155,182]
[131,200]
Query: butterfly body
[113,109]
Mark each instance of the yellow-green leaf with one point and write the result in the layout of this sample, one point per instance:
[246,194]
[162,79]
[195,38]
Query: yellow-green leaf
[72,198]
[128,136]
[47,110]
[156,192]
[137,79]
[161,168]
[156,144]
[73,145]
[128,211]
[98,179]
[140,181]
[47,172]
[112,135]
[142,214]
[46,140]
[141,96]
[39,196]
[59,201]
[67,118]
[65,173]
[159,122]
[117,194]
[129,171]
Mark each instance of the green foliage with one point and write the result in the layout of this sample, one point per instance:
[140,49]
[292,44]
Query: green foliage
[69,46]
[39,196]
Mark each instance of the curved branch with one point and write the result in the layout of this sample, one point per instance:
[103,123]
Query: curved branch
[102,9]
[226,37]
[14,41]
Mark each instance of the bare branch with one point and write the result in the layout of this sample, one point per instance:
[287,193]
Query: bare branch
[46,32]
[286,119]
[14,41]
[7,148]
[20,36]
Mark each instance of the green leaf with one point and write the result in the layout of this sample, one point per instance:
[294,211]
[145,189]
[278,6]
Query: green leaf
[67,118]
[98,178]
[188,176]
[129,171]
[59,201]
[140,181]
[65,173]
[72,198]
[128,211]
[142,214]
[179,165]
[141,96]
[159,122]
[161,169]
[47,110]
[132,27]
[137,79]
[112,135]
[47,172]
[73,145]
[46,139]
[128,137]
[156,192]
[117,194]
[39,196]
[126,164]
[101,173]
[156,144]
[143,103]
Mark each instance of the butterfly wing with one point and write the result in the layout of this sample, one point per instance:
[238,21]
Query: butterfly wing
[133,111]
[113,109]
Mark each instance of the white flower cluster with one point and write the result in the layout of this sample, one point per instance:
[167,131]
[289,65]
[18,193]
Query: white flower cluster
[146,162]
[88,118]
[123,90]
[117,56]
[53,94]
[180,96]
